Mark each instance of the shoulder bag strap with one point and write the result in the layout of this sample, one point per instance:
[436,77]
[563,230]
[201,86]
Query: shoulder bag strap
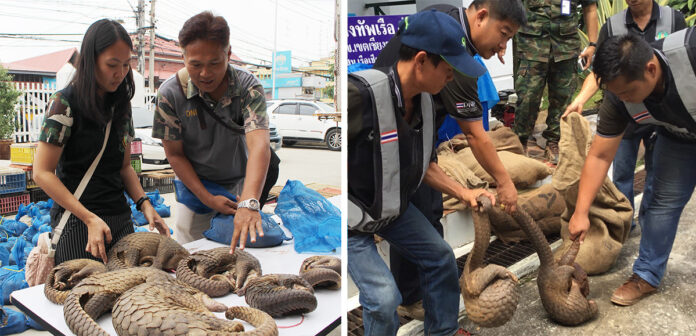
[58,231]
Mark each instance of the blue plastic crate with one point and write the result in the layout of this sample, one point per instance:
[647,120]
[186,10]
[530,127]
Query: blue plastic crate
[12,180]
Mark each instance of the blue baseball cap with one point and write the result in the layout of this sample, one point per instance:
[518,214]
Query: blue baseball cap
[440,34]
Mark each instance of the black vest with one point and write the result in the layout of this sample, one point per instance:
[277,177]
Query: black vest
[678,113]
[394,154]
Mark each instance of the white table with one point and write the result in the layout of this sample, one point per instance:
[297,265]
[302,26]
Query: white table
[279,259]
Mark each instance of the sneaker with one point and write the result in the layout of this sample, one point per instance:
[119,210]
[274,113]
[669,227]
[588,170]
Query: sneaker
[632,291]
[551,152]
[414,311]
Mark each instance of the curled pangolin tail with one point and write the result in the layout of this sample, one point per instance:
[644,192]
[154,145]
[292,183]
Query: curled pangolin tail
[264,323]
[78,320]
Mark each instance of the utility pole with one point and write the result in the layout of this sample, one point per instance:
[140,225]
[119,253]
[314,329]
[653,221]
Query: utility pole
[140,21]
[275,40]
[151,77]
[337,57]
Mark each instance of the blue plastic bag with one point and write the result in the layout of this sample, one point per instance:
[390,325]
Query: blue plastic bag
[137,217]
[222,228]
[43,228]
[139,229]
[4,257]
[20,252]
[163,210]
[314,222]
[16,321]
[187,198]
[29,233]
[33,324]
[22,210]
[13,227]
[11,279]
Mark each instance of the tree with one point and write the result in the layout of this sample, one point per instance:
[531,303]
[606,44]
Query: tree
[688,7]
[8,97]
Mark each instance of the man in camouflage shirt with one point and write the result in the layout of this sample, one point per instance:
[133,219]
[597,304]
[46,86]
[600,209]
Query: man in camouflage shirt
[211,117]
[546,52]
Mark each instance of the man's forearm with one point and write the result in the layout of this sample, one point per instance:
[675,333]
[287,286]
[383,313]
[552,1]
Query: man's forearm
[591,22]
[257,167]
[589,88]
[436,178]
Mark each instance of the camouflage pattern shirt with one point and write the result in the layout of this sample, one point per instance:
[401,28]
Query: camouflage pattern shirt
[81,140]
[212,131]
[549,35]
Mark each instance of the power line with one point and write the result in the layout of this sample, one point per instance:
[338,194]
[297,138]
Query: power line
[36,38]
[79,4]
[16,15]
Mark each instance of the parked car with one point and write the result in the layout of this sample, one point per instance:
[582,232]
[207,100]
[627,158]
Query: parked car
[153,150]
[306,120]
[276,138]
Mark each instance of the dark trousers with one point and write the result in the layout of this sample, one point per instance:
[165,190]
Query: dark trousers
[271,177]
[73,241]
[429,202]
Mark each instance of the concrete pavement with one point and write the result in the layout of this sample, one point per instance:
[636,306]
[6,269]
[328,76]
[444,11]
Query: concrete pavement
[669,311]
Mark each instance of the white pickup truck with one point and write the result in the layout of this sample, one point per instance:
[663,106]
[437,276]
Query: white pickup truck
[306,120]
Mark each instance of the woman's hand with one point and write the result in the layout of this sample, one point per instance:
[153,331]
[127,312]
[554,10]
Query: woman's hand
[156,222]
[97,233]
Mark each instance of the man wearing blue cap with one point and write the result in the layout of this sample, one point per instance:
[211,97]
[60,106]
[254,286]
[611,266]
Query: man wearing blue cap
[391,131]
[488,25]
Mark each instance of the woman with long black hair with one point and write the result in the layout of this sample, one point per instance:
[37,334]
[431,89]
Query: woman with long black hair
[72,135]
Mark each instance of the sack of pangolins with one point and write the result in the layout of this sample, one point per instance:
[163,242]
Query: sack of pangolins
[610,213]
[544,204]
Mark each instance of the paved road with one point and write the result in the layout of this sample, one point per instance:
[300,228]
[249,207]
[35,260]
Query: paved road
[310,164]
[670,311]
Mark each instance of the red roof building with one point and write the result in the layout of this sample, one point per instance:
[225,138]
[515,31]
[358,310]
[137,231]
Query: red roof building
[34,69]
[42,69]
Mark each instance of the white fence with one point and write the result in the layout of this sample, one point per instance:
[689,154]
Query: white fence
[31,108]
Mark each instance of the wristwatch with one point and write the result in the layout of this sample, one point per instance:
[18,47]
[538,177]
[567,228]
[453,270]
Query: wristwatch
[592,44]
[251,204]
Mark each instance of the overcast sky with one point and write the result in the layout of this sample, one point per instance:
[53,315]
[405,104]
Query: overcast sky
[306,27]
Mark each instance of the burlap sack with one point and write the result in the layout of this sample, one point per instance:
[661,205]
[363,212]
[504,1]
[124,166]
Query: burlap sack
[610,213]
[523,171]
[544,204]
[503,139]
[455,169]
[457,143]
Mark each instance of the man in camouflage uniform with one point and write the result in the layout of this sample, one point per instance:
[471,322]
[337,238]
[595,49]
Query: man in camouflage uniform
[211,117]
[546,52]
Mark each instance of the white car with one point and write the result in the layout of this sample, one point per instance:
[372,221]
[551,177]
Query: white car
[153,151]
[306,120]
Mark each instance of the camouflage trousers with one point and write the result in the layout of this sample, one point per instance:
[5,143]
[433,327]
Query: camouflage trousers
[530,80]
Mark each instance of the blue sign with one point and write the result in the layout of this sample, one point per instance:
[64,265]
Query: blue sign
[282,82]
[283,62]
[367,36]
